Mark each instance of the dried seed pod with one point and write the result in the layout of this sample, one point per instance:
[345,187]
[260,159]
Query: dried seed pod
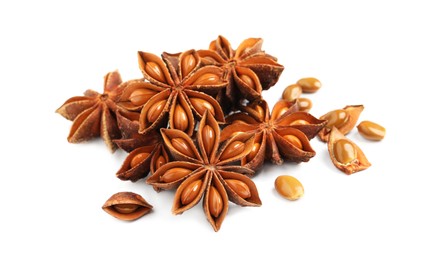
[174,174]
[137,164]
[180,145]
[305,104]
[127,206]
[233,149]
[138,159]
[239,187]
[201,105]
[248,82]
[345,154]
[371,130]
[280,108]
[292,92]
[293,140]
[309,85]
[188,63]
[289,187]
[343,119]
[215,202]
[294,145]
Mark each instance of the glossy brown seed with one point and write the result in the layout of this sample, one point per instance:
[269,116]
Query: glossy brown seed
[215,202]
[153,69]
[371,130]
[294,141]
[207,79]
[160,161]
[138,159]
[233,149]
[182,146]
[190,192]
[126,208]
[280,108]
[248,80]
[292,92]
[201,105]
[188,64]
[180,118]
[289,187]
[299,122]
[155,110]
[344,151]
[140,96]
[304,104]
[253,152]
[336,118]
[208,137]
[239,187]
[174,174]
[261,112]
[309,85]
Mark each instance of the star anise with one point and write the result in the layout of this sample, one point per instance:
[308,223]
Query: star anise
[283,134]
[207,171]
[94,114]
[248,69]
[181,87]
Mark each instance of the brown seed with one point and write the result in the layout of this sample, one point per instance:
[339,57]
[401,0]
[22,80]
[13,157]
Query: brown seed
[208,137]
[207,79]
[253,152]
[160,161]
[248,80]
[201,105]
[305,104]
[299,122]
[261,112]
[371,130]
[182,146]
[180,118]
[190,192]
[336,118]
[140,96]
[239,187]
[233,149]
[126,208]
[280,108]
[138,159]
[289,187]
[188,64]
[215,202]
[153,69]
[174,174]
[292,92]
[309,85]
[155,110]
[294,141]
[344,151]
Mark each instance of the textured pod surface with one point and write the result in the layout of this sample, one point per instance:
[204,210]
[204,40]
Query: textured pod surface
[345,154]
[127,206]
[137,164]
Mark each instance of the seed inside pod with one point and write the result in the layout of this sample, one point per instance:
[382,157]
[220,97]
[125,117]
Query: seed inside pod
[182,146]
[305,104]
[190,192]
[248,80]
[138,159]
[208,137]
[207,79]
[155,110]
[154,70]
[292,92]
[344,151]
[299,122]
[160,161]
[336,118]
[289,187]
[371,130]
[280,108]
[309,85]
[215,202]
[233,149]
[174,174]
[260,111]
[126,208]
[253,152]
[294,141]
[188,64]
[239,187]
[140,96]
[201,105]
[180,118]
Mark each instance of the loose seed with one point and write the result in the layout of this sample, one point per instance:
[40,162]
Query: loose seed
[305,104]
[292,92]
[371,130]
[309,85]
[289,187]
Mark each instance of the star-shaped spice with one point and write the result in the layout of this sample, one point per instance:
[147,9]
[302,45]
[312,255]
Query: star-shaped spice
[207,170]
[248,69]
[283,134]
[93,114]
[180,87]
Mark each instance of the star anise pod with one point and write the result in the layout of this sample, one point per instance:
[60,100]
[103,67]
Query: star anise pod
[283,134]
[93,114]
[207,170]
[248,69]
[180,87]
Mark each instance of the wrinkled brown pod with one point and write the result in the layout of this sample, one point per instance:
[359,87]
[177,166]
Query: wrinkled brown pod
[345,154]
[137,164]
[127,206]
[343,119]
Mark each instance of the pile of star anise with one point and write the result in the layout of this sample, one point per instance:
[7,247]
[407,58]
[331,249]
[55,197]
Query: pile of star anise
[170,122]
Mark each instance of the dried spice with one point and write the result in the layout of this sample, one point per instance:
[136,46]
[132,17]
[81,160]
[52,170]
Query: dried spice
[289,187]
[248,69]
[181,85]
[93,114]
[127,206]
[371,130]
[283,134]
[207,170]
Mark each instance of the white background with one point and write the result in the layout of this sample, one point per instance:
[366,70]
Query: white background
[364,52]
